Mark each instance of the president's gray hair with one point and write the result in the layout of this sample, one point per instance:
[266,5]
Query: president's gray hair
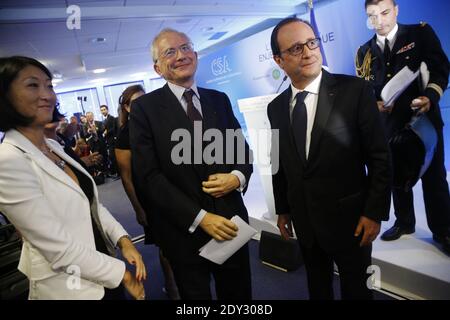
[161,34]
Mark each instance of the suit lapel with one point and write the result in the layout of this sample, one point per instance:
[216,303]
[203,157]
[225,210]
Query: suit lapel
[376,51]
[32,152]
[208,111]
[174,111]
[400,41]
[210,121]
[286,121]
[324,107]
[94,205]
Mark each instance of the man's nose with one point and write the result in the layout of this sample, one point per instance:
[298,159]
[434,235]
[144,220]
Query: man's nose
[307,52]
[376,21]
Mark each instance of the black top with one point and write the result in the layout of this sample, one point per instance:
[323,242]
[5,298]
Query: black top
[88,189]
[123,138]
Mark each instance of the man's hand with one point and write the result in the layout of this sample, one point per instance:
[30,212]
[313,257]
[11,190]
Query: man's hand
[141,217]
[422,104]
[285,225]
[92,159]
[218,227]
[382,108]
[370,230]
[220,184]
[133,257]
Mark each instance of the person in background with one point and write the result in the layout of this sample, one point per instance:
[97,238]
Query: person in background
[69,238]
[85,158]
[123,157]
[393,47]
[94,138]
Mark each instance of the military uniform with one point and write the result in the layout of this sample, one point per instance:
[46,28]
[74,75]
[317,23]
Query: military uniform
[413,44]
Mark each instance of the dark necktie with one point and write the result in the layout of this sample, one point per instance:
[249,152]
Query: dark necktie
[192,112]
[299,123]
[387,50]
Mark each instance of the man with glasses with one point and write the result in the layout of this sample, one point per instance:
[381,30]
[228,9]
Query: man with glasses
[188,203]
[333,180]
[393,47]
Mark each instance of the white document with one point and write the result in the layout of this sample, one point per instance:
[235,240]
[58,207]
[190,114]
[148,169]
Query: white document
[219,251]
[395,87]
[424,74]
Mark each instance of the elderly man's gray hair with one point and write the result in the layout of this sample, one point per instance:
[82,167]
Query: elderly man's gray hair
[161,34]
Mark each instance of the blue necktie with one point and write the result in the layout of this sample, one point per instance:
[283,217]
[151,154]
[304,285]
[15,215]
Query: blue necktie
[299,123]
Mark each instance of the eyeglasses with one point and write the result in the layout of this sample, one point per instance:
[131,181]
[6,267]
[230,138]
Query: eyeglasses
[297,48]
[171,52]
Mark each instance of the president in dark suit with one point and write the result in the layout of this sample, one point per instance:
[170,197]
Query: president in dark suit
[393,47]
[190,201]
[334,173]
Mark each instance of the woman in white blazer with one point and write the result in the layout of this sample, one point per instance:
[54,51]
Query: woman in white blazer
[69,238]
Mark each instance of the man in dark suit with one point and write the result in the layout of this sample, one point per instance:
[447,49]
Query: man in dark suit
[110,134]
[393,47]
[188,202]
[333,177]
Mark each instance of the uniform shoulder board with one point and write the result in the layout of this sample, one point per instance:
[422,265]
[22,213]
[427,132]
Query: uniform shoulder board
[423,24]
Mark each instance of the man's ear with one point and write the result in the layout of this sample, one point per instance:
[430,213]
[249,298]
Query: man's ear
[396,10]
[279,61]
[156,68]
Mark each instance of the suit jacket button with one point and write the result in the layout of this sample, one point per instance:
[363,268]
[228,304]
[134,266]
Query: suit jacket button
[388,64]
[389,75]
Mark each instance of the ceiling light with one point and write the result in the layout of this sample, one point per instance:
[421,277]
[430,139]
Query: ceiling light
[186,20]
[57,75]
[98,40]
[98,70]
[139,74]
[98,80]
[206,29]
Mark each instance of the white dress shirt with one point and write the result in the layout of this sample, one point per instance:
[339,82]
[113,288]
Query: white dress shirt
[311,106]
[392,36]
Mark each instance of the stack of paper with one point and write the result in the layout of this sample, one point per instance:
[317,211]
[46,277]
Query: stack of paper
[395,87]
[220,251]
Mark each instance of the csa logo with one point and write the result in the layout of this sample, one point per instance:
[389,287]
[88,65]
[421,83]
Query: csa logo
[276,74]
[220,66]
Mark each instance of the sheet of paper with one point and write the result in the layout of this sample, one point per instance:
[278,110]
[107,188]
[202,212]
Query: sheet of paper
[424,74]
[395,87]
[219,251]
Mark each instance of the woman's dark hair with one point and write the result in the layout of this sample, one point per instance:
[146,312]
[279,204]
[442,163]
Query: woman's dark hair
[125,99]
[10,67]
[57,115]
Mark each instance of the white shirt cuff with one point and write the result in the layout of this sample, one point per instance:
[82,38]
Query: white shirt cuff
[242,180]
[197,221]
